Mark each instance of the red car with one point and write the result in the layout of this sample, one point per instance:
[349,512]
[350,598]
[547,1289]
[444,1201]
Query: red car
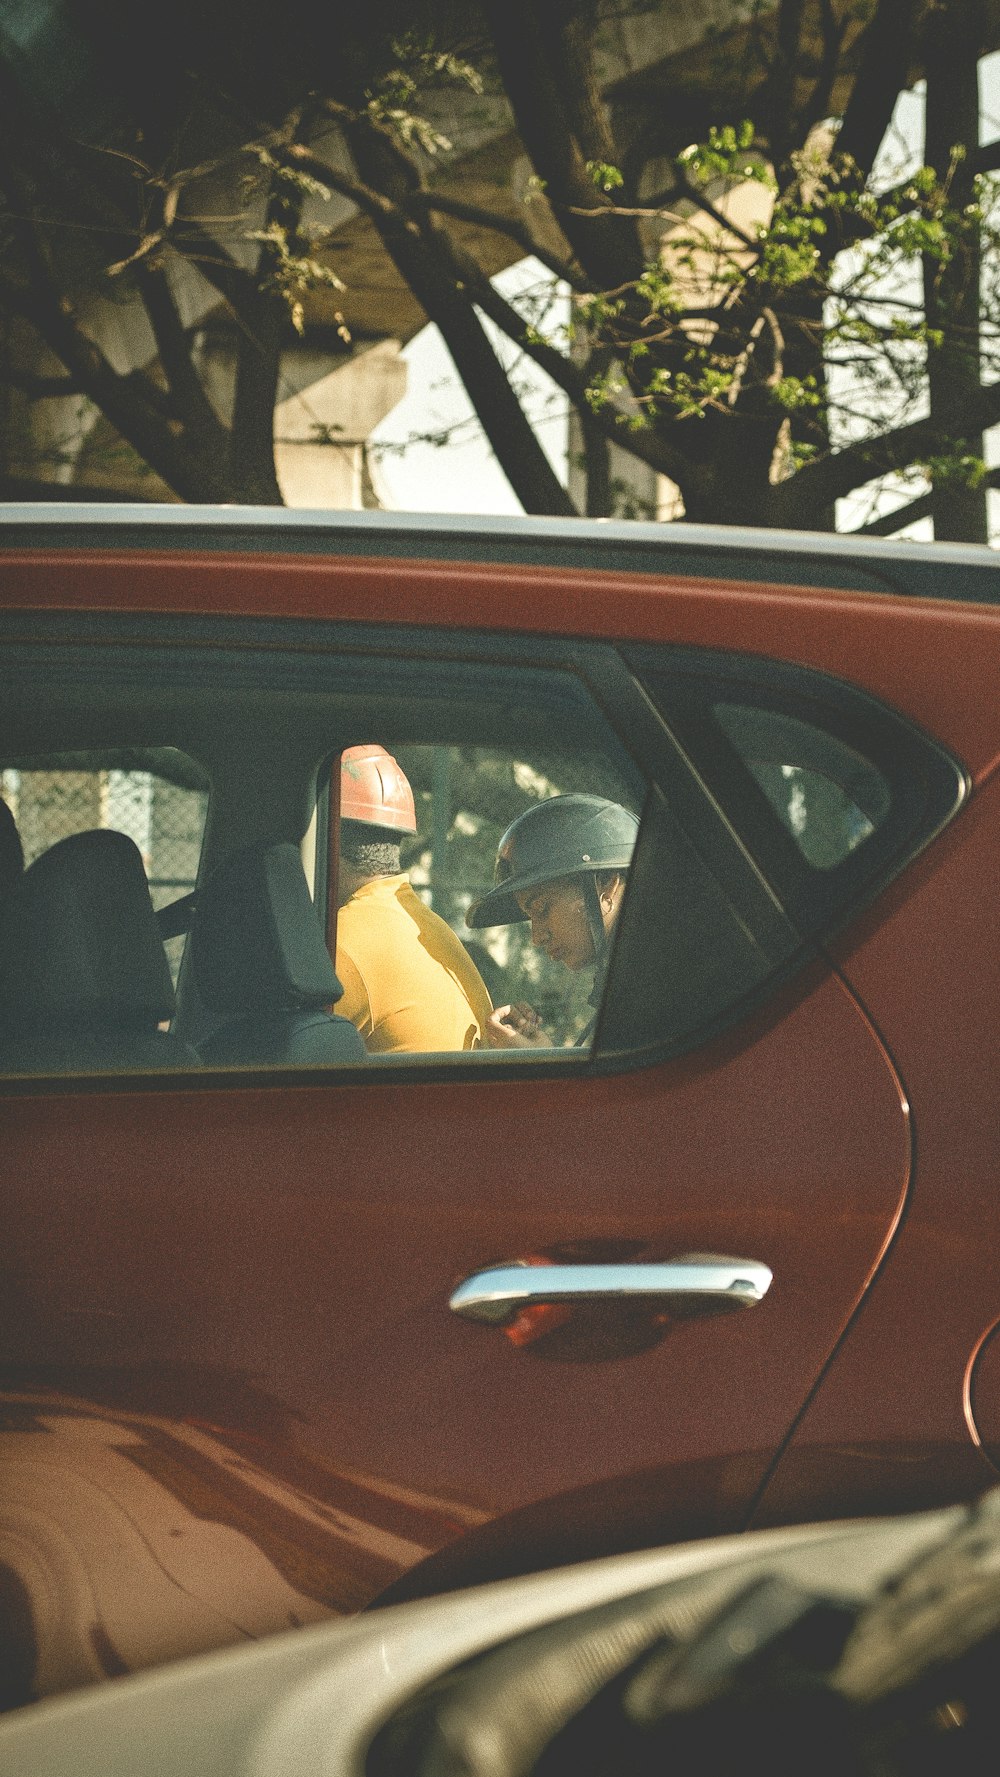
[292,1331]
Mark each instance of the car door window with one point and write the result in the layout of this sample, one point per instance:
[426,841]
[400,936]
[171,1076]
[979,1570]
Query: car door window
[762,804]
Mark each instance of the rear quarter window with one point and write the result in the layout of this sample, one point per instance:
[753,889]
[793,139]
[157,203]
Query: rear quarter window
[831,791]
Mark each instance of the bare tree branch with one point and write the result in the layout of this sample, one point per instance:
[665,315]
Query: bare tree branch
[662,213]
[832,478]
[779,88]
[132,404]
[987,159]
[564,269]
[41,388]
[258,363]
[820,99]
[922,506]
[566,28]
[22,487]
[173,345]
[423,257]
[217,266]
[890,522]
[887,47]
[541,110]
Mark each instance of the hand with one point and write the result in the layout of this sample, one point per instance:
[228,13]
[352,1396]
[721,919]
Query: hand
[515,1027]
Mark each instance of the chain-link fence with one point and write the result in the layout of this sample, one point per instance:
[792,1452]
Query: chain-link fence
[166,819]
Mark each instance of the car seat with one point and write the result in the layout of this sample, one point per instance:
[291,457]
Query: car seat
[260,962]
[11,851]
[84,981]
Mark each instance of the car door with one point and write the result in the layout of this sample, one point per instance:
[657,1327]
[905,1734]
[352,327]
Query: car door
[927,1333]
[227,1312]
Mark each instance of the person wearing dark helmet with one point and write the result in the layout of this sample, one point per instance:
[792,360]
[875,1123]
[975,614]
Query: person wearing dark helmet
[409,983]
[563,866]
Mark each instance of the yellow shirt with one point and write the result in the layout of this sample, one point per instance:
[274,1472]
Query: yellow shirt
[409,983]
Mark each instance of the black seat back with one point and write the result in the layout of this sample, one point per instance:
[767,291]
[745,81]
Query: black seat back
[261,966]
[84,981]
[11,851]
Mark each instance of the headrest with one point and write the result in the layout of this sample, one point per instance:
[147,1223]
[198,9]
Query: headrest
[11,851]
[79,942]
[256,943]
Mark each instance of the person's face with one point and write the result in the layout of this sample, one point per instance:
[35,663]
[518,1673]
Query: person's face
[559,924]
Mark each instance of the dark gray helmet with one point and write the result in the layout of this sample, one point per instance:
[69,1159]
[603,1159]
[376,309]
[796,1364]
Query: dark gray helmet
[565,836]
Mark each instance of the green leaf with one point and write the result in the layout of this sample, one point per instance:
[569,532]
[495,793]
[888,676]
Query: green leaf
[604,176]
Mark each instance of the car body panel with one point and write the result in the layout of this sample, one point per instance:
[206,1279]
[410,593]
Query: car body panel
[928,964]
[298,1282]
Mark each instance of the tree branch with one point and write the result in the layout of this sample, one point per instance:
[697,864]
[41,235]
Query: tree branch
[41,388]
[887,46]
[889,522]
[817,484]
[778,95]
[258,366]
[234,284]
[20,487]
[568,37]
[920,507]
[545,126]
[820,99]
[437,201]
[648,446]
[986,159]
[130,402]
[424,257]
[660,212]
[190,401]
[720,219]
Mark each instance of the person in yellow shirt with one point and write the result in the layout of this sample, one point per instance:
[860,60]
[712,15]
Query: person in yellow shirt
[409,982]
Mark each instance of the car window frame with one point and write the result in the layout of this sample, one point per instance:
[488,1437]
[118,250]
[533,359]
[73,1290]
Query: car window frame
[613,676]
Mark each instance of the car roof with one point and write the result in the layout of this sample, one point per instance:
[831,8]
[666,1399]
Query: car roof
[929,570]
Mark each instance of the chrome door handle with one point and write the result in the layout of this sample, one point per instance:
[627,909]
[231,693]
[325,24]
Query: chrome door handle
[694,1278]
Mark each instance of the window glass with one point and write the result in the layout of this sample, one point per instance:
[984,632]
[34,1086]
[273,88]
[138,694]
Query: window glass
[158,799]
[99,734]
[827,795]
[590,854]
[831,791]
[465,799]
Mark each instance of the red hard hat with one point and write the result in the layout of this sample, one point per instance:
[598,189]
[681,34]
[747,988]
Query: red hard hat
[375,790]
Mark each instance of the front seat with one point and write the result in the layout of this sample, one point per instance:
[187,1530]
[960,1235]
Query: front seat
[84,981]
[261,965]
[11,851]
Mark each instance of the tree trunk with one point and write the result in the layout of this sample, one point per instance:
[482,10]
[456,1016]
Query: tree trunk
[258,366]
[951,292]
